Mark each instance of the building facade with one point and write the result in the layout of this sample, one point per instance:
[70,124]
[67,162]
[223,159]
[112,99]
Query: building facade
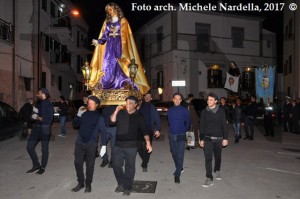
[291,51]
[197,47]
[41,45]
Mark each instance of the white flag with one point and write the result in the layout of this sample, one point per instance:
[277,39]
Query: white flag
[232,83]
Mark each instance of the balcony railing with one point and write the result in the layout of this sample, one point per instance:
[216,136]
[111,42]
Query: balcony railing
[62,57]
[6,31]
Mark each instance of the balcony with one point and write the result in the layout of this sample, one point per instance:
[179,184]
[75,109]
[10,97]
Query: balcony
[6,31]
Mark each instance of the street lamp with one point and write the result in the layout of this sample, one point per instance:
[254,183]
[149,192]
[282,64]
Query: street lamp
[86,71]
[133,67]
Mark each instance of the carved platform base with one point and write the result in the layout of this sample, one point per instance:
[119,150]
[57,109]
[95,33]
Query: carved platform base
[115,97]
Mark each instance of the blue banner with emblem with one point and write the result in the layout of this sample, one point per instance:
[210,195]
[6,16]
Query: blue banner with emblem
[265,82]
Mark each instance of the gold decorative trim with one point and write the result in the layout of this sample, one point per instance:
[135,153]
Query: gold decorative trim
[115,97]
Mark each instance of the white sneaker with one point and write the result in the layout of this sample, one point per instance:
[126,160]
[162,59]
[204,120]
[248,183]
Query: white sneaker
[208,182]
[218,175]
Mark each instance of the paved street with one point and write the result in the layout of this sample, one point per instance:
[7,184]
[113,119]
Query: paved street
[265,168]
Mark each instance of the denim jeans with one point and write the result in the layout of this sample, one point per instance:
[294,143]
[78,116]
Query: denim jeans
[63,129]
[177,147]
[237,130]
[39,133]
[126,157]
[111,137]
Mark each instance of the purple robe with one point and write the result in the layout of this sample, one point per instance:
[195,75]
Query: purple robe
[114,77]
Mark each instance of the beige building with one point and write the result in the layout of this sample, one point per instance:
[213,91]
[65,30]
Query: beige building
[291,50]
[41,45]
[197,47]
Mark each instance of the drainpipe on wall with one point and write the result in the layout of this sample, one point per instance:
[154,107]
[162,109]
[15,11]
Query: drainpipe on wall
[13,88]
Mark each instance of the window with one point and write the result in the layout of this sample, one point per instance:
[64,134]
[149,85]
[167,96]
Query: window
[79,63]
[269,44]
[78,35]
[285,69]
[52,79]
[214,77]
[290,28]
[160,79]
[142,48]
[44,5]
[53,10]
[159,38]
[44,79]
[202,36]
[59,83]
[237,35]
[27,83]
[248,78]
[290,64]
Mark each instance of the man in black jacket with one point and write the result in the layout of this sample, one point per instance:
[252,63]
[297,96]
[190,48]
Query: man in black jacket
[213,136]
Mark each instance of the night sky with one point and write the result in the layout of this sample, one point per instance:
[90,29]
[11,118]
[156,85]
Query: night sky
[93,12]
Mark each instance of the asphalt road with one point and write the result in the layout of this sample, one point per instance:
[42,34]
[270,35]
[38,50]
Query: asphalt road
[264,168]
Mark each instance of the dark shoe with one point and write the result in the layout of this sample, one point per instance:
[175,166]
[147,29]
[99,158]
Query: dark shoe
[188,148]
[246,138]
[177,179]
[145,169]
[236,141]
[78,188]
[88,189]
[251,138]
[41,171]
[119,189]
[126,192]
[110,165]
[33,170]
[104,163]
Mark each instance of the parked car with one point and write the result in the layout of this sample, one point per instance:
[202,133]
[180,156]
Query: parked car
[10,123]
[162,107]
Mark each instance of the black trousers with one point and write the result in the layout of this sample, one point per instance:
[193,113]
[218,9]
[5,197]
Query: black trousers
[212,148]
[268,124]
[126,157]
[143,153]
[85,152]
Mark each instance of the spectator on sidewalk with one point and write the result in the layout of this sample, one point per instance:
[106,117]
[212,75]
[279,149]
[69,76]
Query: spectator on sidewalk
[251,112]
[63,112]
[41,131]
[179,123]
[130,126]
[90,122]
[238,118]
[213,136]
[153,127]
[25,114]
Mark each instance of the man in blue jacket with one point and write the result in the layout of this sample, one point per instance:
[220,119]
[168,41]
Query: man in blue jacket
[90,123]
[179,124]
[153,127]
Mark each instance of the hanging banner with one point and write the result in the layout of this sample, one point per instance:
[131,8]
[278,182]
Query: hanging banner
[265,82]
[232,83]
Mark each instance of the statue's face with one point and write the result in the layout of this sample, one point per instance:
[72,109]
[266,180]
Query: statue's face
[111,11]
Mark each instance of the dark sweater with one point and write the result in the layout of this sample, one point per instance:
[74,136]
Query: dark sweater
[151,117]
[46,111]
[179,120]
[213,124]
[130,129]
[63,109]
[90,123]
